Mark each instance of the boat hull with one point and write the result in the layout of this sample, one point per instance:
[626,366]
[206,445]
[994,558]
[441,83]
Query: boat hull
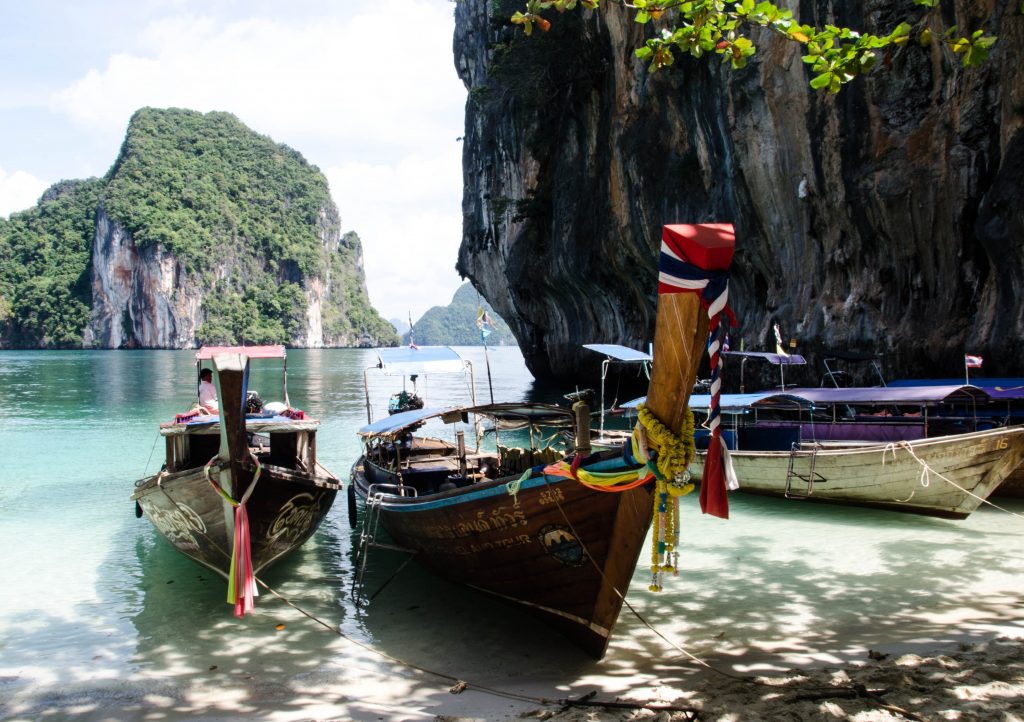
[284,510]
[910,476]
[565,552]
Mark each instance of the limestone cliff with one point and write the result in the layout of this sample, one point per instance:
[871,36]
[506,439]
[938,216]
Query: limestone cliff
[202,232]
[906,241]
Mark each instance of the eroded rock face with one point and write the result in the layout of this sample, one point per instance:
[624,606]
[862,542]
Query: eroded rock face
[905,240]
[144,298]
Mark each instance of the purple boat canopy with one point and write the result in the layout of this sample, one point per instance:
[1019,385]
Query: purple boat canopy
[1003,388]
[850,396]
[876,395]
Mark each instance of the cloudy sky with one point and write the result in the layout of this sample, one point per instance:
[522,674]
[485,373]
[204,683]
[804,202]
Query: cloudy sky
[366,91]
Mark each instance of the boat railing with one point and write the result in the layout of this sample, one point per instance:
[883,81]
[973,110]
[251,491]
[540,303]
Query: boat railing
[376,491]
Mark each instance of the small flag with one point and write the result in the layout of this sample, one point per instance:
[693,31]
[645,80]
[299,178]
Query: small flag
[484,322]
[779,349]
[973,362]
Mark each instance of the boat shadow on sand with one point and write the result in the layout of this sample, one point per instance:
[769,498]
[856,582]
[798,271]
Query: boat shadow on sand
[765,592]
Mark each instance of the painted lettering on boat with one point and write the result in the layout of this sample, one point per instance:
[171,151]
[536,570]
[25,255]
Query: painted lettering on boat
[550,496]
[296,516]
[178,525]
[562,544]
[497,519]
[503,543]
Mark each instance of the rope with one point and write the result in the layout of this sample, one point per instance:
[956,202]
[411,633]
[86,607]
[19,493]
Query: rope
[697,660]
[241,587]
[927,471]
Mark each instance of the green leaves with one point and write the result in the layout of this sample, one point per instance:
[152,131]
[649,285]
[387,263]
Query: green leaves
[837,55]
[975,49]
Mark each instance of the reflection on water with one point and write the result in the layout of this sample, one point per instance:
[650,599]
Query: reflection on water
[92,592]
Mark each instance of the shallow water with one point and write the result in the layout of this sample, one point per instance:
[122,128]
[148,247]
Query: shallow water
[103,620]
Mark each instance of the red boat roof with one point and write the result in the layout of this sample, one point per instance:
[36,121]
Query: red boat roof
[208,352]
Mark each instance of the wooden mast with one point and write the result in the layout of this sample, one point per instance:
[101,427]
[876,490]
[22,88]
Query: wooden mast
[677,350]
[681,332]
[233,377]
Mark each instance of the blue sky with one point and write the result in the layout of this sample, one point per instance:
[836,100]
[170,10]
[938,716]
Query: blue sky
[366,91]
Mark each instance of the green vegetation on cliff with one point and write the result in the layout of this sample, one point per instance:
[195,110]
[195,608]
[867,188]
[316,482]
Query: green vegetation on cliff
[192,181]
[45,262]
[455,324]
[249,222]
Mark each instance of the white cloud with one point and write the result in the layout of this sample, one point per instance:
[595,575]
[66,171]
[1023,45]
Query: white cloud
[364,80]
[372,98]
[19,190]
[409,218]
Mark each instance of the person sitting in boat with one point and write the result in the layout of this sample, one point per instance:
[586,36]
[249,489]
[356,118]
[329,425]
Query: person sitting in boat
[208,393]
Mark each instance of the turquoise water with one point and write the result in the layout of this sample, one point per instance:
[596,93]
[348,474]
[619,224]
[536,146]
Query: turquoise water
[102,620]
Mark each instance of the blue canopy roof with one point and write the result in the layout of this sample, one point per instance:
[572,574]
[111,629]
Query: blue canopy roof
[405,360]
[619,353]
[728,403]
[400,421]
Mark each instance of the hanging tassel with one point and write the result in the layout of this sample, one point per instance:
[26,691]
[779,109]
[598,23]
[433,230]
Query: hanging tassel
[242,583]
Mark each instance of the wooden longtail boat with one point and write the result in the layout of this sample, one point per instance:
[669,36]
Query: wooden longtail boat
[922,456]
[240,490]
[560,537]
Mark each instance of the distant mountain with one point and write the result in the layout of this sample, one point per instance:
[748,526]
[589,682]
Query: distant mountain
[401,327]
[455,324]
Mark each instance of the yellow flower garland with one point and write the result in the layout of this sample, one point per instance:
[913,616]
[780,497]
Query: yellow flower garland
[673,480]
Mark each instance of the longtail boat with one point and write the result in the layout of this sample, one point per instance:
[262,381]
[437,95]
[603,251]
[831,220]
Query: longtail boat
[241,489]
[919,449]
[560,533]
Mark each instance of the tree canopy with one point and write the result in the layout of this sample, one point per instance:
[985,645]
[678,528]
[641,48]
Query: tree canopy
[836,54]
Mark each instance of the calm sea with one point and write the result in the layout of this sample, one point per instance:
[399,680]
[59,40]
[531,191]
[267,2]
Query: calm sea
[101,619]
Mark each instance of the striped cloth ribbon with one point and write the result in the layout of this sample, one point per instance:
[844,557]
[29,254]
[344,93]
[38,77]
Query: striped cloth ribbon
[677,275]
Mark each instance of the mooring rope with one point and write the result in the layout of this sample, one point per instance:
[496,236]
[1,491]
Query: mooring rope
[927,471]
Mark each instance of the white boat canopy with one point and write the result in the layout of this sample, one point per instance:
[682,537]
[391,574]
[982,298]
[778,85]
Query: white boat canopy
[619,353]
[406,360]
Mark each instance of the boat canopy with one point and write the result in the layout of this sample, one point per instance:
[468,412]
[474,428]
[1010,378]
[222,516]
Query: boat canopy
[515,415]
[208,352]
[997,388]
[619,353]
[775,359]
[728,403]
[396,423]
[852,396]
[860,395]
[406,360]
